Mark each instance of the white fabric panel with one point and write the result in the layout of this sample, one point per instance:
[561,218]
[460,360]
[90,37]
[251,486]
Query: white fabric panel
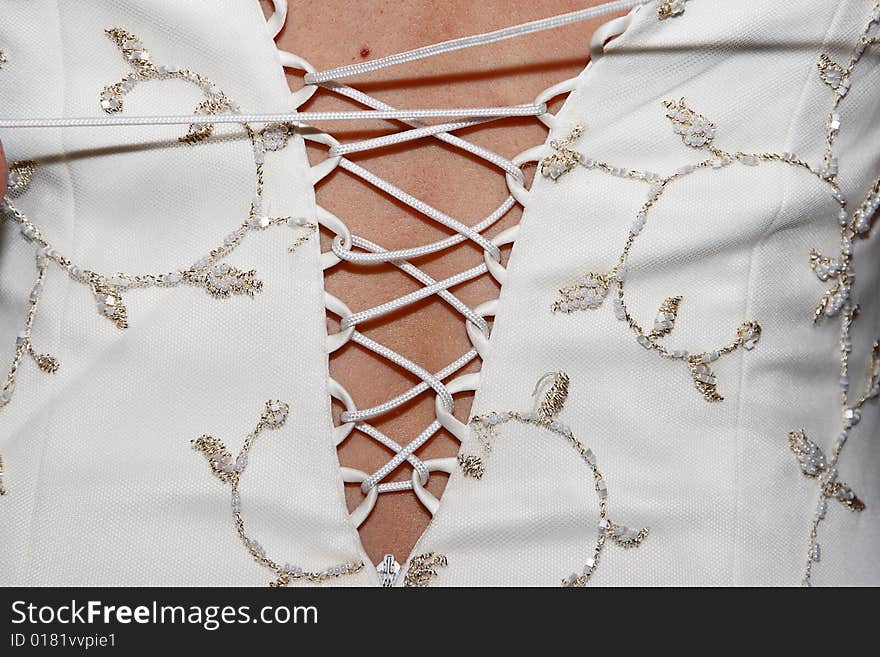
[103,486]
[716,483]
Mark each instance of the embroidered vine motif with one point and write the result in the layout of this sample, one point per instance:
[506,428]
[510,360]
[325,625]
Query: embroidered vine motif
[20,175]
[423,568]
[563,158]
[863,216]
[696,131]
[143,68]
[669,8]
[229,469]
[555,387]
[211,273]
[838,301]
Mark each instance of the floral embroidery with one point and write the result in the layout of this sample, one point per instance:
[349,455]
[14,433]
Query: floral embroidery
[837,301]
[229,469]
[20,175]
[423,568]
[544,416]
[669,8]
[865,213]
[217,277]
[833,74]
[563,158]
[143,68]
[696,131]
[591,291]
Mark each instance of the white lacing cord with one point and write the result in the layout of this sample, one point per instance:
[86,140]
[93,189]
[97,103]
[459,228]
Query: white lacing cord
[353,248]
[474,40]
[292,117]
[403,136]
[276,21]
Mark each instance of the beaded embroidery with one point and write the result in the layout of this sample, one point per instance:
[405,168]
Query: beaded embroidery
[669,8]
[698,132]
[218,278]
[591,290]
[837,301]
[544,416]
[229,470]
[423,568]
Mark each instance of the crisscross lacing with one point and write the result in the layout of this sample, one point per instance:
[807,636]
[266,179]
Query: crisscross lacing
[358,250]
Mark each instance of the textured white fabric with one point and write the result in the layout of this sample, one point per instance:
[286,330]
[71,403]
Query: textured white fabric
[103,485]
[716,483]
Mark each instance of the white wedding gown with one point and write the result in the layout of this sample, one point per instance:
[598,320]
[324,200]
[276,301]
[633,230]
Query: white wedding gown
[103,486]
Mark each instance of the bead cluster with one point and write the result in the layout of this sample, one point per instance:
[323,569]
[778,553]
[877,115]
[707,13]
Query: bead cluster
[669,8]
[229,469]
[211,273]
[143,68]
[837,301]
[549,405]
[423,568]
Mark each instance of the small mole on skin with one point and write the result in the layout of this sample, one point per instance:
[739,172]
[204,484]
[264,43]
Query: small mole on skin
[365,51]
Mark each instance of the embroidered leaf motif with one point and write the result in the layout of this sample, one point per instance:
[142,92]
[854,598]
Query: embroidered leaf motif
[823,266]
[563,158]
[813,464]
[131,47]
[20,175]
[832,301]
[143,68]
[695,129]
[873,388]
[423,568]
[810,456]
[865,213]
[222,464]
[110,304]
[554,399]
[587,294]
[833,74]
[670,8]
[843,494]
[471,466]
[665,320]
[222,280]
[216,104]
[47,363]
[704,377]
[748,335]
[275,413]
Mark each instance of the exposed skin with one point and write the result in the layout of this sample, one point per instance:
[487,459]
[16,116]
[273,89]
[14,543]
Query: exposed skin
[335,32]
[330,33]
